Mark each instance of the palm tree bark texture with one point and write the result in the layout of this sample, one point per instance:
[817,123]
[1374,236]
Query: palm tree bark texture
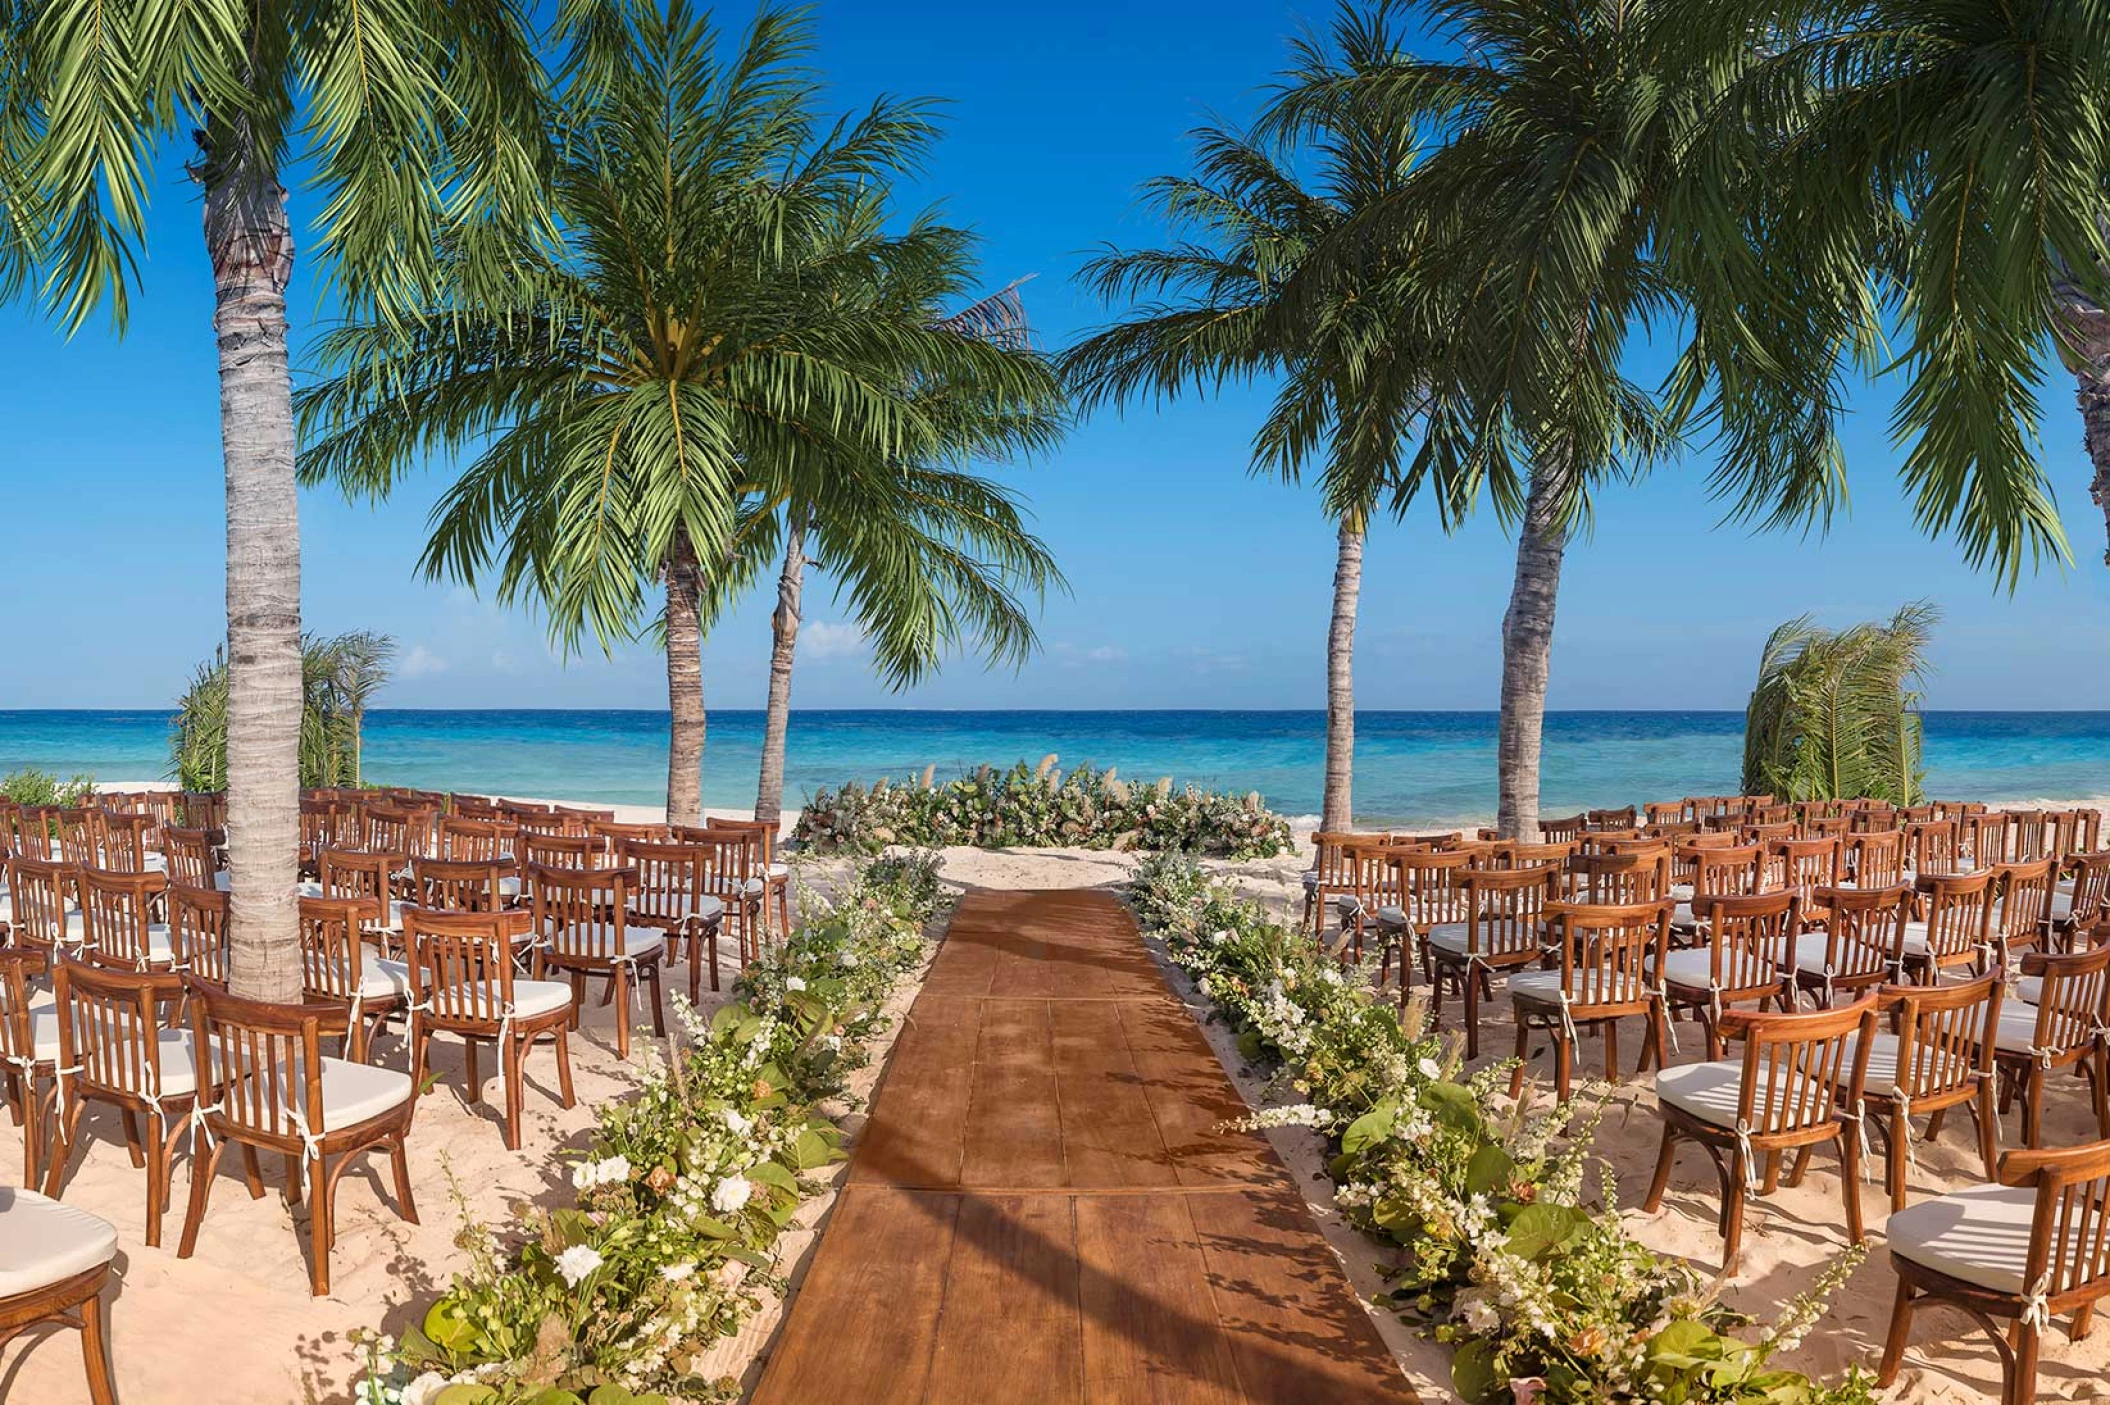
[684,684]
[784,627]
[1337,809]
[250,241]
[1527,649]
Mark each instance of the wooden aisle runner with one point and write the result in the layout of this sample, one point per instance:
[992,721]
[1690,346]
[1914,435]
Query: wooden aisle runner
[1043,1207]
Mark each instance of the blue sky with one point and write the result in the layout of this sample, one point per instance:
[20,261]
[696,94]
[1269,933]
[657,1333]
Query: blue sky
[1192,585]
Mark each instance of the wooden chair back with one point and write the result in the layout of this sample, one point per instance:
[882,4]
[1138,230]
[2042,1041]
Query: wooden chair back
[2029,834]
[1666,812]
[116,915]
[1876,859]
[19,966]
[765,834]
[1374,880]
[1620,880]
[1610,955]
[110,1027]
[1864,933]
[1562,830]
[581,915]
[1802,864]
[612,836]
[1945,1039]
[1800,1070]
[461,967]
[332,959]
[2023,909]
[446,885]
[1959,908]
[198,931]
[389,831]
[370,876]
[673,880]
[476,840]
[1329,864]
[41,893]
[1624,818]
[78,836]
[1750,941]
[202,809]
[1505,909]
[1933,846]
[2073,1004]
[543,850]
[1983,839]
[1727,870]
[123,841]
[1518,855]
[2089,896]
[1432,884]
[190,856]
[260,1065]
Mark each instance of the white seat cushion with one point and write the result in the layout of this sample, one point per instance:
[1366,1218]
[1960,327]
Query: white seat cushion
[178,1074]
[353,1092]
[381,978]
[510,886]
[1541,986]
[43,1032]
[1682,915]
[1690,966]
[1979,1234]
[1707,1091]
[1915,943]
[7,908]
[1882,1062]
[2061,906]
[43,1242]
[1310,879]
[754,887]
[540,997]
[1391,916]
[778,872]
[640,942]
[1447,936]
[2029,990]
[2018,1027]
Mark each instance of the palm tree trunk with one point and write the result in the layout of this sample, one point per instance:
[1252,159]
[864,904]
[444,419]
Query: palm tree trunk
[1527,650]
[684,686]
[251,244]
[784,626]
[1337,809]
[2089,344]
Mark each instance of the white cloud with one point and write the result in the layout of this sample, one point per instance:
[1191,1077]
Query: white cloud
[421,662]
[504,662]
[825,639]
[1077,655]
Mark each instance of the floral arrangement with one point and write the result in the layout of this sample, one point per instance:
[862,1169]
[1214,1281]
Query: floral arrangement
[681,1197]
[1041,806]
[1502,1250]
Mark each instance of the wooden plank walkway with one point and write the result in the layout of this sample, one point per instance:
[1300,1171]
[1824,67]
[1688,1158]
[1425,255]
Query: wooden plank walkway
[1043,1208]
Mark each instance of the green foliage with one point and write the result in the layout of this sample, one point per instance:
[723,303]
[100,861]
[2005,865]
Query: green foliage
[684,1190]
[30,786]
[1041,807]
[1835,714]
[338,678]
[1499,1250]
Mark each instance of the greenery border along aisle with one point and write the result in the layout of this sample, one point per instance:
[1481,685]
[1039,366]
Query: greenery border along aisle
[685,1188]
[1041,807]
[1502,1252]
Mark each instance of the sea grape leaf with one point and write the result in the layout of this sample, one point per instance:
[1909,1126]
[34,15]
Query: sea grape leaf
[1473,1371]
[1489,1170]
[1539,1229]
[1371,1128]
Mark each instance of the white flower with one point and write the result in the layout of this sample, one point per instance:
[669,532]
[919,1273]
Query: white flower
[576,1262]
[1430,1068]
[731,1194]
[674,1273]
[425,1389]
[614,1171]
[793,983]
[739,1125]
[1478,1315]
[586,1175]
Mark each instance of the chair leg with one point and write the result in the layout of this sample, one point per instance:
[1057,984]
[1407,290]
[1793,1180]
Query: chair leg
[95,1352]
[2083,1321]
[66,1135]
[320,1233]
[1894,1161]
[2022,1384]
[252,1173]
[2033,1108]
[399,1160]
[1563,1064]
[157,1155]
[1850,1178]
[1900,1333]
[713,937]
[475,1090]
[564,1065]
[1611,1052]
[132,1142]
[510,1059]
[1733,1213]
[1988,1131]
[1665,1154]
[1516,1075]
[659,1006]
[619,985]
[201,1174]
[1472,1019]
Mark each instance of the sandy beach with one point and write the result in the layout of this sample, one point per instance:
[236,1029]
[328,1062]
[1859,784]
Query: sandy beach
[238,1313]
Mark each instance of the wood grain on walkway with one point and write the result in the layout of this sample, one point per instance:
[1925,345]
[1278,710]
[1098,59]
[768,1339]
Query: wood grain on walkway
[1044,1206]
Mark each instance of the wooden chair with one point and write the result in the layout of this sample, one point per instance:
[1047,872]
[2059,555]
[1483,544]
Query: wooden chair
[335,970]
[1932,847]
[1941,1057]
[40,901]
[612,837]
[2022,912]
[676,893]
[202,809]
[1499,931]
[1798,1084]
[1564,830]
[540,850]
[191,858]
[1609,956]
[458,885]
[2033,1247]
[462,983]
[582,926]
[113,1049]
[2063,1028]
[1611,819]
[1659,812]
[1428,881]
[1750,938]
[29,1051]
[198,931]
[270,1088]
[368,878]
[1328,878]
[1983,839]
[1620,879]
[1859,944]
[773,878]
[1375,901]
[1874,860]
[2028,836]
[1800,865]
[54,1265]
[2078,905]
[121,841]
[117,921]
[1767,835]
[740,868]
[1958,928]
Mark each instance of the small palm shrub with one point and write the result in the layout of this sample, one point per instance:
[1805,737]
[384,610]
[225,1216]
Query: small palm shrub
[30,786]
[338,679]
[1041,807]
[1835,715]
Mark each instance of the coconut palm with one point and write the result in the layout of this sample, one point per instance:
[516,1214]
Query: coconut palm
[1835,714]
[1349,364]
[413,123]
[1956,151]
[621,398]
[338,678]
[359,669]
[931,558]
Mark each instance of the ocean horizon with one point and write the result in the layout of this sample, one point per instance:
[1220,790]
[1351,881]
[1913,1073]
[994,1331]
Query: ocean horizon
[1413,767]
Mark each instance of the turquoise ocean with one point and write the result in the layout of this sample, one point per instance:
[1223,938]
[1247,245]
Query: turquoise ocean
[1411,767]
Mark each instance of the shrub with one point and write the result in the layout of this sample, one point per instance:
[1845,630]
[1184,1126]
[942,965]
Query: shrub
[1039,807]
[1501,1252]
[684,1190]
[33,787]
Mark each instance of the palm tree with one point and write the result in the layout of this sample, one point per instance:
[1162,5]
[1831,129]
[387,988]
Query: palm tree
[1835,714]
[360,668]
[1351,366]
[1934,195]
[338,677]
[624,394]
[931,557]
[412,122]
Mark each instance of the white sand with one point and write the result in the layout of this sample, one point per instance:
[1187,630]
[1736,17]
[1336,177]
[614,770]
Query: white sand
[239,1316]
